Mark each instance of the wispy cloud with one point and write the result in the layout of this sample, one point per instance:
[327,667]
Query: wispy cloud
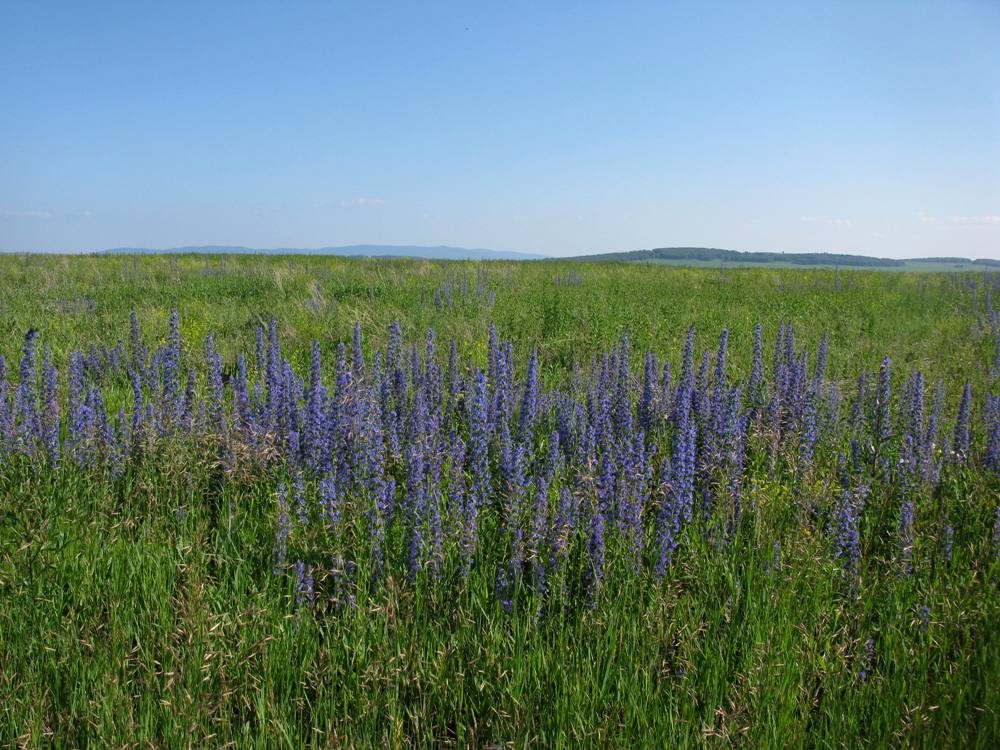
[979,221]
[828,222]
[355,202]
[26,214]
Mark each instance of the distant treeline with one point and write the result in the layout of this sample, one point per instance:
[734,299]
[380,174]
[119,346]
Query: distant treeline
[735,256]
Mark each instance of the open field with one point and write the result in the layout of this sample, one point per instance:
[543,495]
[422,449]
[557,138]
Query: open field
[625,521]
[570,312]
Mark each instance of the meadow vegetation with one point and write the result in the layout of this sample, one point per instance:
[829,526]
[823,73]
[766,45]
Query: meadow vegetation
[305,501]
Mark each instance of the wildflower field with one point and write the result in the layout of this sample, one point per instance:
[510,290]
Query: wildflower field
[299,501]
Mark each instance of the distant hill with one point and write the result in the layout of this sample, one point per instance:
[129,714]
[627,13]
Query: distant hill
[439,252]
[712,255]
[709,254]
[695,256]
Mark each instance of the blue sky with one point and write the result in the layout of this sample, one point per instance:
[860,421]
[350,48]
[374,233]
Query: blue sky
[559,128]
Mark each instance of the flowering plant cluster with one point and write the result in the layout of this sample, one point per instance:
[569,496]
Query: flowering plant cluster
[426,466]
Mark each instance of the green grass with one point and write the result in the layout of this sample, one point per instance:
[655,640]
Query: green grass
[921,320]
[126,622]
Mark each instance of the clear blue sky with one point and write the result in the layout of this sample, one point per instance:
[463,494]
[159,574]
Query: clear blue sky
[560,128]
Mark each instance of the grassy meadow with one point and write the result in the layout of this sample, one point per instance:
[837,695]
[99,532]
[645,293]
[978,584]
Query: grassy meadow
[570,312]
[144,602]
